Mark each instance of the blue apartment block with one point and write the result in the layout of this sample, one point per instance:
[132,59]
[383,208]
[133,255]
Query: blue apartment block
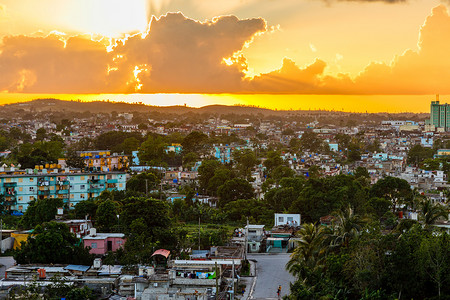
[20,187]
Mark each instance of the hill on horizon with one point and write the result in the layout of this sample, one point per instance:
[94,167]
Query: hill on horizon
[42,105]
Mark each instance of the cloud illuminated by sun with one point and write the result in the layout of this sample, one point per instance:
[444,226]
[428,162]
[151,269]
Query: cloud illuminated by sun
[110,18]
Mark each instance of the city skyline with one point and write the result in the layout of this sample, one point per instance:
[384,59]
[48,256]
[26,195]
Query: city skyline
[337,55]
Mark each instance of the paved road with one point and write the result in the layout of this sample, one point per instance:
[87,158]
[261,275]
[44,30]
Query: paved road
[271,272]
[5,263]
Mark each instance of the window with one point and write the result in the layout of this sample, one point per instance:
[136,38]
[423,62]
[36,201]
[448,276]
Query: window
[31,189]
[94,245]
[82,196]
[72,195]
[20,198]
[20,179]
[82,187]
[31,179]
[20,207]
[82,178]
[119,242]
[280,219]
[7,179]
[290,219]
[20,189]
[120,185]
[31,198]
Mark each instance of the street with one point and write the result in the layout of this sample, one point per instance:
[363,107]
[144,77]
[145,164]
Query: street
[271,272]
[5,263]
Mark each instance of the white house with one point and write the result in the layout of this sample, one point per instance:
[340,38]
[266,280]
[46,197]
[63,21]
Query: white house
[287,219]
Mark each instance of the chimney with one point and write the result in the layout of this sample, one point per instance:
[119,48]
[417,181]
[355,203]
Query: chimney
[437,98]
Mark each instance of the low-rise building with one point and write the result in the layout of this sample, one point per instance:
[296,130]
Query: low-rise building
[102,243]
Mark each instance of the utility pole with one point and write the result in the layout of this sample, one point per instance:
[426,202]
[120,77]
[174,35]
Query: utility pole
[217,283]
[198,232]
[233,278]
[1,235]
[146,187]
[246,241]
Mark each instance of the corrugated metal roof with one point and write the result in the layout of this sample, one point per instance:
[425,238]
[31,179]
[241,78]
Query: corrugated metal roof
[80,268]
[162,252]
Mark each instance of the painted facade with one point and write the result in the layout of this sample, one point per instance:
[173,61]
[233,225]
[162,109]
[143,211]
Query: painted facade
[102,243]
[21,187]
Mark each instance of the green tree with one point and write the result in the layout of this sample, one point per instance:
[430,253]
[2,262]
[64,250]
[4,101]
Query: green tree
[85,208]
[3,143]
[361,172]
[431,164]
[309,256]
[418,154]
[220,176]
[73,160]
[129,145]
[41,134]
[245,161]
[233,190]
[196,142]
[156,217]
[394,189]
[40,211]
[190,159]
[281,172]
[431,212]
[106,216]
[311,142]
[206,171]
[152,151]
[257,211]
[346,225]
[273,161]
[143,182]
[80,294]
[434,258]
[378,206]
[46,238]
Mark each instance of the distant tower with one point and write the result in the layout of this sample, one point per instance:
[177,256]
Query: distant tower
[440,114]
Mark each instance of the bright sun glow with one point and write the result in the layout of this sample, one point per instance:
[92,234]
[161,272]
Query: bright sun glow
[112,18]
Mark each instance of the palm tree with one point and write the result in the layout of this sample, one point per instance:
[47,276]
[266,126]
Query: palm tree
[431,212]
[346,226]
[309,255]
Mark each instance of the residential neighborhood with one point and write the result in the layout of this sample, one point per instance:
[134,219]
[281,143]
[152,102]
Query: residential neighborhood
[154,206]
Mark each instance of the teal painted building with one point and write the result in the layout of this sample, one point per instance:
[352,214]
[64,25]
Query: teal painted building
[20,187]
[440,114]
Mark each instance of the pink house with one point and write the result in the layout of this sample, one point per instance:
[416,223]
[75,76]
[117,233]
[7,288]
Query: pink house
[102,243]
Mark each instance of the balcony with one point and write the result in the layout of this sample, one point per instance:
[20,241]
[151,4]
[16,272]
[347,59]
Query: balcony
[44,192]
[112,181]
[10,184]
[95,189]
[96,180]
[62,191]
[9,192]
[63,182]
[9,202]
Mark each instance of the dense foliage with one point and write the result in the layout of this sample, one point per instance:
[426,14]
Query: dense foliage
[53,243]
[405,264]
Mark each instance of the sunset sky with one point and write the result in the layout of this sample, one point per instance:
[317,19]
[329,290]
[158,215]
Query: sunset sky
[352,55]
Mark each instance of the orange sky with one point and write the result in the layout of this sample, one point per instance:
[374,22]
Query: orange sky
[360,55]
